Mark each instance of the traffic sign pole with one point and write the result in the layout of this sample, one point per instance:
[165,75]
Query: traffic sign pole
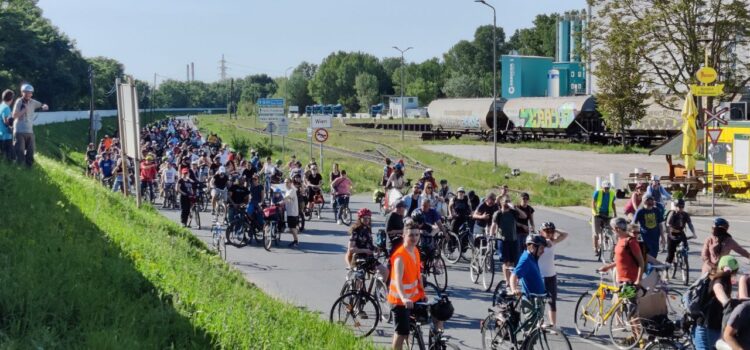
[714,135]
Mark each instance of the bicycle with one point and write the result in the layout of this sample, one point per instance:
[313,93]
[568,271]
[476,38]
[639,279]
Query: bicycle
[669,336]
[482,262]
[591,314]
[436,340]
[242,228]
[203,199]
[502,326]
[218,240]
[681,261]
[170,198]
[432,262]
[317,208]
[221,212]
[450,246]
[675,308]
[343,208]
[605,252]
[365,270]
[194,213]
[273,216]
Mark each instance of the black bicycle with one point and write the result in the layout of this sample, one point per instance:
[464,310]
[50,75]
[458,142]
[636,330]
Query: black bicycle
[681,263]
[422,314]
[433,263]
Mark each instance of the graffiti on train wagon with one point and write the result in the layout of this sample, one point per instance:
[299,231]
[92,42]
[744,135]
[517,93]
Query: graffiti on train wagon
[551,118]
[460,119]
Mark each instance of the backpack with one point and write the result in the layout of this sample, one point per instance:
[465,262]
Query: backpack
[696,297]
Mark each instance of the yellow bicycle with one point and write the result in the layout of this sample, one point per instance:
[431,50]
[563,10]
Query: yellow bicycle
[609,304]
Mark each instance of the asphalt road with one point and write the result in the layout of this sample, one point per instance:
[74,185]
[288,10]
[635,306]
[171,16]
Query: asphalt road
[312,275]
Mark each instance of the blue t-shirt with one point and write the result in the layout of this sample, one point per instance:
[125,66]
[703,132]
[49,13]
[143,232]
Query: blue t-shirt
[604,207]
[527,270]
[649,220]
[5,133]
[106,167]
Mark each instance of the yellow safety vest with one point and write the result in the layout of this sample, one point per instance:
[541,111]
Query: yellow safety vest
[598,203]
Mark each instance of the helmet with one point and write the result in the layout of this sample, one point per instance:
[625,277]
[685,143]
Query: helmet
[655,178]
[721,222]
[536,240]
[364,212]
[418,218]
[428,171]
[728,261]
[149,157]
[443,181]
[679,202]
[606,184]
[548,225]
[277,190]
[461,189]
[27,88]
[648,196]
[442,310]
[222,170]
[278,161]
[399,166]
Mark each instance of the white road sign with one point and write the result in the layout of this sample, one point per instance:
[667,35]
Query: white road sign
[282,127]
[270,110]
[318,121]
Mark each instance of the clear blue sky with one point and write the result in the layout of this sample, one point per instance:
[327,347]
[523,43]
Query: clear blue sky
[162,36]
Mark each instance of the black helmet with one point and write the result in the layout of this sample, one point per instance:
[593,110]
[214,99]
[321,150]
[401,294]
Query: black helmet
[679,203]
[536,240]
[721,222]
[442,310]
[417,218]
[548,225]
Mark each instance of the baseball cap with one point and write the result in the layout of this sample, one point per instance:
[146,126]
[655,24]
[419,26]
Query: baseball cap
[461,189]
[184,170]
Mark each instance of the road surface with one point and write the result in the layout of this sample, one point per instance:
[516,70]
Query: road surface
[311,276]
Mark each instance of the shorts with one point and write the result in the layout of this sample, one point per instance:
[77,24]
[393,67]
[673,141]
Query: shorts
[550,283]
[509,251]
[219,194]
[600,222]
[478,231]
[292,221]
[311,195]
[401,317]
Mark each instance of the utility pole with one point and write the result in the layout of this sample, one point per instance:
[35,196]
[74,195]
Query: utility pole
[187,73]
[192,71]
[230,105]
[223,68]
[494,81]
[92,128]
[403,68]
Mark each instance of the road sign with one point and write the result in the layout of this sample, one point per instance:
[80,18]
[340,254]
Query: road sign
[716,115]
[270,110]
[282,127]
[706,75]
[321,135]
[270,102]
[713,135]
[271,127]
[293,109]
[707,90]
[318,121]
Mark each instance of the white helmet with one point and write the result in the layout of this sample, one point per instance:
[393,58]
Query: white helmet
[606,184]
[27,88]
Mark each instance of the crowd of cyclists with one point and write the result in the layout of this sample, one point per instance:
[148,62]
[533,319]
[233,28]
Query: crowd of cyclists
[427,223]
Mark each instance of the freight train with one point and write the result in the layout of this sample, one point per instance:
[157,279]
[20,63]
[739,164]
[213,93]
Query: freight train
[571,118]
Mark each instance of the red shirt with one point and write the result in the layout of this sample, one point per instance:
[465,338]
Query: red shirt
[148,171]
[625,252]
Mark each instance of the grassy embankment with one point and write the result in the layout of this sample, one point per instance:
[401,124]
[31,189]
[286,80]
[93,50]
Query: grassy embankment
[459,172]
[83,268]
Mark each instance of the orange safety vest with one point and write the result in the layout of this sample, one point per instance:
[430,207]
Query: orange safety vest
[410,279]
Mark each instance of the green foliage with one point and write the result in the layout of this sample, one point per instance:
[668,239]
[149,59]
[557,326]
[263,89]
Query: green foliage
[462,85]
[469,64]
[94,271]
[423,80]
[538,40]
[621,94]
[366,86]
[334,79]
[106,70]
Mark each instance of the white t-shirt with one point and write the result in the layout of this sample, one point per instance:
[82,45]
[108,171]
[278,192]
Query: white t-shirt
[547,261]
[292,205]
[170,175]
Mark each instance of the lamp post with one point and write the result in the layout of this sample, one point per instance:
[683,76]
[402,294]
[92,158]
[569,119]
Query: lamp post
[494,79]
[403,65]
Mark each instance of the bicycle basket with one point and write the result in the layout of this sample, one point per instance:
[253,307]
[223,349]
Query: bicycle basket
[270,212]
[420,313]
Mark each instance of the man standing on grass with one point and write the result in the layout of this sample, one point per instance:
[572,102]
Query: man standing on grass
[24,114]
[6,125]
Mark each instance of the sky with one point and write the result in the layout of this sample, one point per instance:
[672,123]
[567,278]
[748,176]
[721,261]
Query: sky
[163,36]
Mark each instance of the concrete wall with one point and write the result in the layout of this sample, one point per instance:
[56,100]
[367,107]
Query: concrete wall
[66,116]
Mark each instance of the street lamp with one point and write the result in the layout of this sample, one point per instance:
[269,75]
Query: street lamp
[403,64]
[494,78]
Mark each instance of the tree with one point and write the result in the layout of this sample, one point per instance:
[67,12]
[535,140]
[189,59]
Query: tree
[538,40]
[471,61]
[367,90]
[335,78]
[295,89]
[676,34]
[621,94]
[461,85]
[106,70]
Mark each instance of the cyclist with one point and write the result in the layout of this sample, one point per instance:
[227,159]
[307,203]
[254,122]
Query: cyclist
[394,227]
[547,266]
[429,195]
[406,283]
[735,335]
[185,188]
[444,191]
[527,273]
[635,200]
[396,179]
[106,166]
[387,171]
[483,216]
[361,242]
[524,226]
[412,201]
[218,187]
[256,197]
[268,170]
[505,224]
[603,209]
[676,223]
[278,175]
[719,244]
[628,263]
[313,182]
[658,192]
[341,189]
[291,203]
[238,196]
[650,217]
[90,156]
[148,175]
[459,210]
[708,326]
[168,178]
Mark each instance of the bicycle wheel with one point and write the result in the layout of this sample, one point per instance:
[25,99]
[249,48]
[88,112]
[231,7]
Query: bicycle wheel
[467,247]
[625,331]
[496,334]
[586,316]
[684,268]
[307,213]
[546,339]
[235,235]
[218,241]
[358,311]
[431,291]
[200,203]
[663,344]
[475,270]
[197,217]
[268,236]
[488,272]
[451,249]
[221,212]
[501,286]
[318,208]
[440,273]
[414,341]
[346,216]
[380,292]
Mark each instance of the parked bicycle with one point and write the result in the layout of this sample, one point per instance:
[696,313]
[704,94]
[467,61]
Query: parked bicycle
[482,263]
[433,263]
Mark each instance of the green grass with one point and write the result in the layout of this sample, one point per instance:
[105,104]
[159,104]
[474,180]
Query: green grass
[555,145]
[82,267]
[474,175]
[385,120]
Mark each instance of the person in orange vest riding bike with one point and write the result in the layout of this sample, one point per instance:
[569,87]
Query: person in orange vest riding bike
[406,282]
